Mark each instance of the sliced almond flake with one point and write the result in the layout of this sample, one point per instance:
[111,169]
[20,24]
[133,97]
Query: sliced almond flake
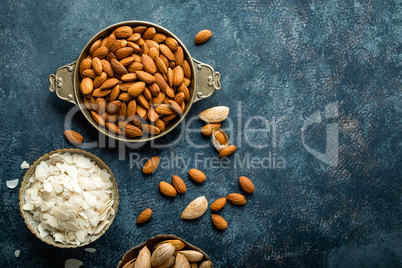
[68,158]
[12,184]
[83,162]
[59,237]
[72,171]
[24,165]
[80,236]
[48,187]
[100,227]
[94,220]
[71,226]
[17,252]
[90,198]
[42,231]
[52,221]
[41,171]
[90,250]
[76,186]
[28,206]
[72,263]
[60,215]
[44,207]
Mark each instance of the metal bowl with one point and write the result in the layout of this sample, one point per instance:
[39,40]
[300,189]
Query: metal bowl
[204,81]
[28,217]
[150,243]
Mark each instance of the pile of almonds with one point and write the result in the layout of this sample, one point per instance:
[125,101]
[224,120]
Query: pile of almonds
[169,253]
[135,81]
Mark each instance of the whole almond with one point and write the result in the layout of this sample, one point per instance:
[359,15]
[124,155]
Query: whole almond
[131,110]
[158,99]
[118,67]
[171,43]
[179,184]
[197,175]
[161,82]
[99,80]
[246,184]
[160,65]
[178,245]
[115,46]
[164,109]
[98,93]
[135,66]
[123,31]
[100,52]
[107,68]
[179,56]
[125,97]
[227,151]
[149,64]
[152,115]
[236,199]
[113,128]
[73,137]
[219,222]
[181,261]
[143,259]
[136,89]
[186,69]
[113,107]
[175,107]
[97,65]
[218,204]
[95,46]
[152,44]
[98,119]
[167,189]
[130,77]
[159,37]
[137,49]
[132,131]
[179,98]
[143,101]
[86,86]
[184,89]
[178,76]
[162,254]
[154,89]
[123,111]
[144,216]
[206,264]
[108,41]
[101,105]
[110,56]
[141,111]
[215,114]
[165,50]
[127,62]
[160,124]
[169,77]
[192,255]
[149,33]
[89,73]
[146,77]
[151,165]
[169,92]
[111,118]
[140,29]
[110,83]
[134,37]
[202,36]
[124,52]
[153,53]
[150,129]
[207,129]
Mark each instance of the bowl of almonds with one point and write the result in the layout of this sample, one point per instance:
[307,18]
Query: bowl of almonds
[165,251]
[68,198]
[134,81]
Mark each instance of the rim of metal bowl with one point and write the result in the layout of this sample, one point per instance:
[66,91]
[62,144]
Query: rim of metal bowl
[105,32]
[27,216]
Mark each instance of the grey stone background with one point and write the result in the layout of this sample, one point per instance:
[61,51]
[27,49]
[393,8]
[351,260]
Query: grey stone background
[280,60]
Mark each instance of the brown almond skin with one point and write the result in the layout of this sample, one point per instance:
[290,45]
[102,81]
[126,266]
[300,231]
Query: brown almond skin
[197,175]
[73,137]
[218,204]
[227,151]
[202,36]
[167,189]
[219,222]
[144,216]
[246,184]
[179,184]
[236,199]
[151,165]
[113,128]
[132,131]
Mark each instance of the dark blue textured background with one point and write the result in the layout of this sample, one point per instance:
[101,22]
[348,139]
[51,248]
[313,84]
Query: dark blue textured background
[281,60]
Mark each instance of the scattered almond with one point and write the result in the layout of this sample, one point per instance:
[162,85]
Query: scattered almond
[197,175]
[73,137]
[227,151]
[246,184]
[179,184]
[215,114]
[236,199]
[219,222]
[207,129]
[202,36]
[195,209]
[144,216]
[151,165]
[218,204]
[167,189]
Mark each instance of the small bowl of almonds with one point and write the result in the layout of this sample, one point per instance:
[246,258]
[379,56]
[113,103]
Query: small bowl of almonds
[134,81]
[68,198]
[165,251]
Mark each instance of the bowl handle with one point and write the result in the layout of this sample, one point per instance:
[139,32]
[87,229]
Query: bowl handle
[207,80]
[62,83]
